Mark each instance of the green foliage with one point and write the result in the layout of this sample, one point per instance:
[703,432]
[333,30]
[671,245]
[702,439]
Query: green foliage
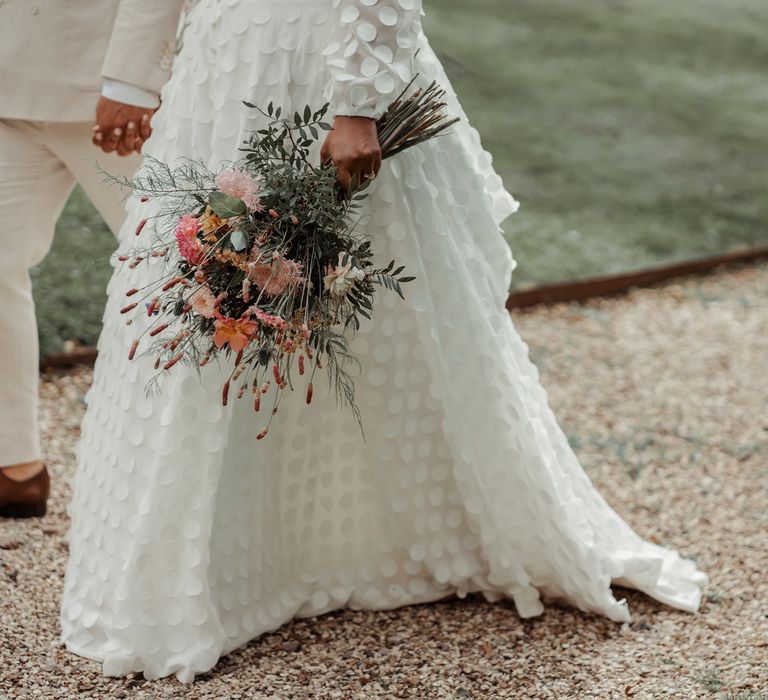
[239,241]
[225,206]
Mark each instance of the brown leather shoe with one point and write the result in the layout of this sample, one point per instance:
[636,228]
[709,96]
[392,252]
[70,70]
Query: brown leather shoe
[24,499]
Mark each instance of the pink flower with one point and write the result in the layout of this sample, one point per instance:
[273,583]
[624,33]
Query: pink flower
[267,319]
[235,331]
[240,185]
[203,302]
[277,275]
[186,238]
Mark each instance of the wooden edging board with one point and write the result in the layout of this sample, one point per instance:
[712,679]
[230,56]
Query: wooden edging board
[579,290]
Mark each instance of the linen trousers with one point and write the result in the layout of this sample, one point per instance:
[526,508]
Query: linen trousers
[40,163]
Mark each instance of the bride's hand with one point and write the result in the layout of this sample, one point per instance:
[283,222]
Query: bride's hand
[353,148]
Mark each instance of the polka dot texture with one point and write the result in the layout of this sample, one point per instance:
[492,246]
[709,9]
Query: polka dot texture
[371,54]
[190,538]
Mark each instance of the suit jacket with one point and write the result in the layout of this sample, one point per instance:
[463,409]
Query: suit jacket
[53,53]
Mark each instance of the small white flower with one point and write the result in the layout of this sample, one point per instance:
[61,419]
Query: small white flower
[340,279]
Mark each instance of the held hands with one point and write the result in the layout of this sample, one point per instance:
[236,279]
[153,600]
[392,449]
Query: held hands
[121,128]
[353,148]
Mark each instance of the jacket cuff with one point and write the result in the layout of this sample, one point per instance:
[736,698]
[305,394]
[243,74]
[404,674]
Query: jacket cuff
[127,93]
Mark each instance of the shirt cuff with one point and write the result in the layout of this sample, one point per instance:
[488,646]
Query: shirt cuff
[118,91]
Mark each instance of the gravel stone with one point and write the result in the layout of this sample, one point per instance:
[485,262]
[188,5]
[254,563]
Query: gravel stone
[664,395]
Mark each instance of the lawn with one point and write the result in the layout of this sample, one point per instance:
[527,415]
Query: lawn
[632,133]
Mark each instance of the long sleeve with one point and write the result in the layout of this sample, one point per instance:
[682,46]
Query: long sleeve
[371,55]
[143,42]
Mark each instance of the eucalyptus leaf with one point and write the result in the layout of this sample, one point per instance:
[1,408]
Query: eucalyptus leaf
[225,206]
[239,240]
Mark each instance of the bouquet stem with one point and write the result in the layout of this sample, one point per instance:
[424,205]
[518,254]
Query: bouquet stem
[413,120]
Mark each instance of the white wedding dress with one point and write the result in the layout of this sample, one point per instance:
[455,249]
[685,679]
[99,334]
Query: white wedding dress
[190,538]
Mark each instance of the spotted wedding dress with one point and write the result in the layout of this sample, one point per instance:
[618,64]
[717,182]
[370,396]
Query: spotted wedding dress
[190,538]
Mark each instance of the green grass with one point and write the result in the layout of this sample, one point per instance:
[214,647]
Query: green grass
[632,133]
[69,286]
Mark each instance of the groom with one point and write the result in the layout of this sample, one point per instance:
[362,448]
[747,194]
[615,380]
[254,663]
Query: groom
[55,60]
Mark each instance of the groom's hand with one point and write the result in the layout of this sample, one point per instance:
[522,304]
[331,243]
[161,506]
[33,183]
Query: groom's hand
[353,148]
[120,127]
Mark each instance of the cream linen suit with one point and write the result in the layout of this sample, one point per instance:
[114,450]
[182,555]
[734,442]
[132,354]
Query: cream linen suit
[53,57]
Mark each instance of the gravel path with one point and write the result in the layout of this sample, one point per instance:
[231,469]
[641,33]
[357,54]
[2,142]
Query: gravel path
[664,394]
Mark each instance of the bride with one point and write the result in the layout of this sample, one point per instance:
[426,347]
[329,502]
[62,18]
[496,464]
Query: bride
[190,538]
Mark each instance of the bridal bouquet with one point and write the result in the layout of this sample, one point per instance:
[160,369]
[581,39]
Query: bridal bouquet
[265,266]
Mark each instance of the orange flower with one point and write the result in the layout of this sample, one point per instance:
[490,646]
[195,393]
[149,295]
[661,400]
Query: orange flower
[237,332]
[210,224]
[203,302]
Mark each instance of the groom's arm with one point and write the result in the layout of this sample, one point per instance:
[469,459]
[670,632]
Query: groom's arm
[143,43]
[136,66]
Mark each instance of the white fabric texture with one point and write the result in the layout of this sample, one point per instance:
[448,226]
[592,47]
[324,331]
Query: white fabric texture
[190,538]
[371,54]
